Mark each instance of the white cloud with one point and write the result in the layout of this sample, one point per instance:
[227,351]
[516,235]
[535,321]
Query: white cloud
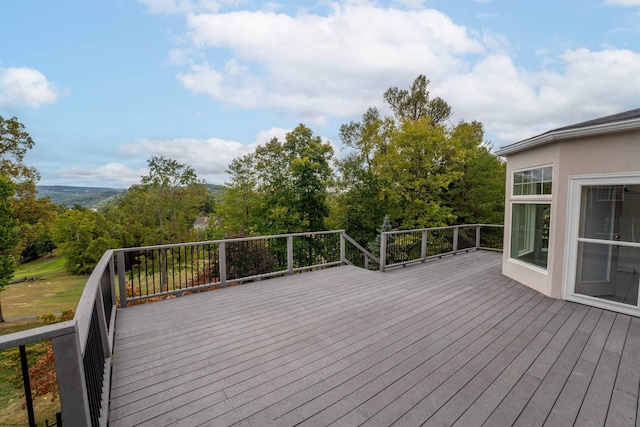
[209,157]
[322,66]
[515,104]
[318,67]
[622,2]
[111,175]
[25,87]
[203,79]
[265,136]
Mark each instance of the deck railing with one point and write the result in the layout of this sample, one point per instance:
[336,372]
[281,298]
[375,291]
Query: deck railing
[83,347]
[409,246]
[166,270]
[82,350]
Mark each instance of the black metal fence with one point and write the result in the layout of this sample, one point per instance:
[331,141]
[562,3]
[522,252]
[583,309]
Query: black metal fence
[167,270]
[407,246]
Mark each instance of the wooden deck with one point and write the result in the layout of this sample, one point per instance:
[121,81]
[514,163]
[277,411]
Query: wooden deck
[447,342]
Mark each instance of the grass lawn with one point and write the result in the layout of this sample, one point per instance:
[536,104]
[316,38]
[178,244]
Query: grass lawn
[49,289]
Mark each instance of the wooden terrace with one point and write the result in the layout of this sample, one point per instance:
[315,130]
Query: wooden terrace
[446,342]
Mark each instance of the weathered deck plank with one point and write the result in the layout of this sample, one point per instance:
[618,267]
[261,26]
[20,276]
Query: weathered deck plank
[448,342]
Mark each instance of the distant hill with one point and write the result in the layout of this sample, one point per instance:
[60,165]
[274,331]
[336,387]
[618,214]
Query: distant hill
[89,197]
[215,189]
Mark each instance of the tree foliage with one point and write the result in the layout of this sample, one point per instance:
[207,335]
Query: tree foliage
[414,104]
[8,234]
[34,215]
[82,237]
[280,188]
[162,208]
[416,168]
[14,144]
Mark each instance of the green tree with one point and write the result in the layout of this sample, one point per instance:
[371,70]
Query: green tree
[310,171]
[8,235]
[14,144]
[478,196]
[414,104]
[416,168]
[240,208]
[280,188]
[419,164]
[82,237]
[34,215]
[360,202]
[162,208]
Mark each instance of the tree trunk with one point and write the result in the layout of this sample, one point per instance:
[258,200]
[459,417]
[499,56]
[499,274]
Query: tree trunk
[1,317]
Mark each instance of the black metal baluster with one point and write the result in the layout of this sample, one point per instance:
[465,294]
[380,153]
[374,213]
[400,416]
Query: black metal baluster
[27,385]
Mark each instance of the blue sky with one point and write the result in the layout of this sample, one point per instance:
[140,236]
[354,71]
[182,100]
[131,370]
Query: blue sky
[102,85]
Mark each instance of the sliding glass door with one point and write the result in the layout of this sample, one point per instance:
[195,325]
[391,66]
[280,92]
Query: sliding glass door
[606,249]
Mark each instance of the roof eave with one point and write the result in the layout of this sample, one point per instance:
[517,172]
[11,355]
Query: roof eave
[559,135]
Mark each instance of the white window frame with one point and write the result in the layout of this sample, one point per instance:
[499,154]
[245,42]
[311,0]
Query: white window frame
[531,196]
[572,239]
[529,238]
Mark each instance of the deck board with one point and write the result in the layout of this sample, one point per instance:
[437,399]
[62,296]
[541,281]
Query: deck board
[447,342]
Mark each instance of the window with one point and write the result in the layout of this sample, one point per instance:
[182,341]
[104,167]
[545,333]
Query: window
[533,181]
[530,233]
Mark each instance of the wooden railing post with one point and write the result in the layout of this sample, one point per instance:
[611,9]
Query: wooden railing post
[290,254]
[423,247]
[343,250]
[383,252]
[122,282]
[71,381]
[478,237]
[223,266]
[455,239]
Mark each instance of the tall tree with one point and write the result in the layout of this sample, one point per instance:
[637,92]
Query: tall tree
[416,168]
[310,174]
[14,144]
[240,210]
[414,104]
[8,235]
[478,196]
[82,237]
[34,215]
[162,208]
[361,205]
[279,188]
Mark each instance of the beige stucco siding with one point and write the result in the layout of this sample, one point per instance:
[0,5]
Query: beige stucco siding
[597,155]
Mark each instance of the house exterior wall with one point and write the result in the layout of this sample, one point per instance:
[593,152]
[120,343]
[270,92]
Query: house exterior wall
[602,154]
